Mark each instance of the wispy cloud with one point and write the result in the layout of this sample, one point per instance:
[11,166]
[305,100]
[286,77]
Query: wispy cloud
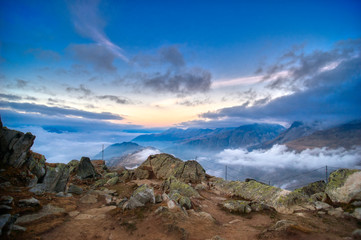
[89,23]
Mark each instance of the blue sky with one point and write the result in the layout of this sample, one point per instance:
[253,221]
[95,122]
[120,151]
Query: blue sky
[124,67]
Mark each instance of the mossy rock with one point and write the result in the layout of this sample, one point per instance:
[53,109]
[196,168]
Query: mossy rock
[312,188]
[344,186]
[73,165]
[111,175]
[173,184]
[112,181]
[141,174]
[100,182]
[236,206]
[181,200]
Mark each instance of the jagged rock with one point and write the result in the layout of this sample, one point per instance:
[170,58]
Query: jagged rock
[62,194]
[89,198]
[142,195]
[75,189]
[30,202]
[6,223]
[141,174]
[357,213]
[18,228]
[257,207]
[163,166]
[36,164]
[312,188]
[183,201]
[173,184]
[14,146]
[86,169]
[55,179]
[356,235]
[111,175]
[344,186]
[112,181]
[237,206]
[45,211]
[32,181]
[125,175]
[73,165]
[6,200]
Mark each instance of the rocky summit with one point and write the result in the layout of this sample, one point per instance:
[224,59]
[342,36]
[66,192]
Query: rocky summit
[164,198]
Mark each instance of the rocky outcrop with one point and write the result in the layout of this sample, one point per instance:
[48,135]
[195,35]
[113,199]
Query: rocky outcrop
[14,146]
[344,186]
[163,166]
[312,188]
[36,164]
[55,179]
[142,195]
[86,169]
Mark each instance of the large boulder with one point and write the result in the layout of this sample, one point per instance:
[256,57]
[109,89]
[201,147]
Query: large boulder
[14,146]
[36,164]
[162,166]
[237,206]
[55,179]
[142,195]
[86,169]
[344,186]
[173,184]
[312,188]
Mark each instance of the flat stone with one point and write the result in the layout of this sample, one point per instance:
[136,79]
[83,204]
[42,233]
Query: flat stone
[322,206]
[357,213]
[73,213]
[89,198]
[18,228]
[45,211]
[30,202]
[6,200]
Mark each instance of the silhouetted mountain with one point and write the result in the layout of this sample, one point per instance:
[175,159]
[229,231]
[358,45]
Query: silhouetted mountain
[345,135]
[296,130]
[172,134]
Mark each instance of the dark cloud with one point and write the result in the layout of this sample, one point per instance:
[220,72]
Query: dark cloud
[57,111]
[31,98]
[326,92]
[193,81]
[99,56]
[21,83]
[172,55]
[45,55]
[82,90]
[194,102]
[10,97]
[115,99]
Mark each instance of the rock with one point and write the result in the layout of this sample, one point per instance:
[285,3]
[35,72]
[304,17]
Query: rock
[200,187]
[55,179]
[112,181]
[75,189]
[356,204]
[125,175]
[356,235]
[282,225]
[158,198]
[183,201]
[322,206]
[357,213]
[257,207]
[312,188]
[237,206]
[173,184]
[337,212]
[163,166]
[31,202]
[18,228]
[344,186]
[36,164]
[6,200]
[142,195]
[62,194]
[141,173]
[32,181]
[73,165]
[5,208]
[121,202]
[217,238]
[45,211]
[89,199]
[171,204]
[6,223]
[161,209]
[14,147]
[206,216]
[100,182]
[111,175]
[73,213]
[86,169]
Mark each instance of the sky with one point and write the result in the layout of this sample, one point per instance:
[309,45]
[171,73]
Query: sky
[102,71]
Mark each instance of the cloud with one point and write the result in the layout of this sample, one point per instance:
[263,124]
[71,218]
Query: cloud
[88,23]
[172,55]
[99,56]
[82,90]
[194,102]
[45,55]
[318,93]
[115,99]
[10,97]
[57,111]
[184,83]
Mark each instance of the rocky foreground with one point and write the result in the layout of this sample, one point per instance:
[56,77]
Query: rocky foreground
[164,198]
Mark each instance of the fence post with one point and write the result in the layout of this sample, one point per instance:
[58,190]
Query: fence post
[103,152]
[326,175]
[226,173]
